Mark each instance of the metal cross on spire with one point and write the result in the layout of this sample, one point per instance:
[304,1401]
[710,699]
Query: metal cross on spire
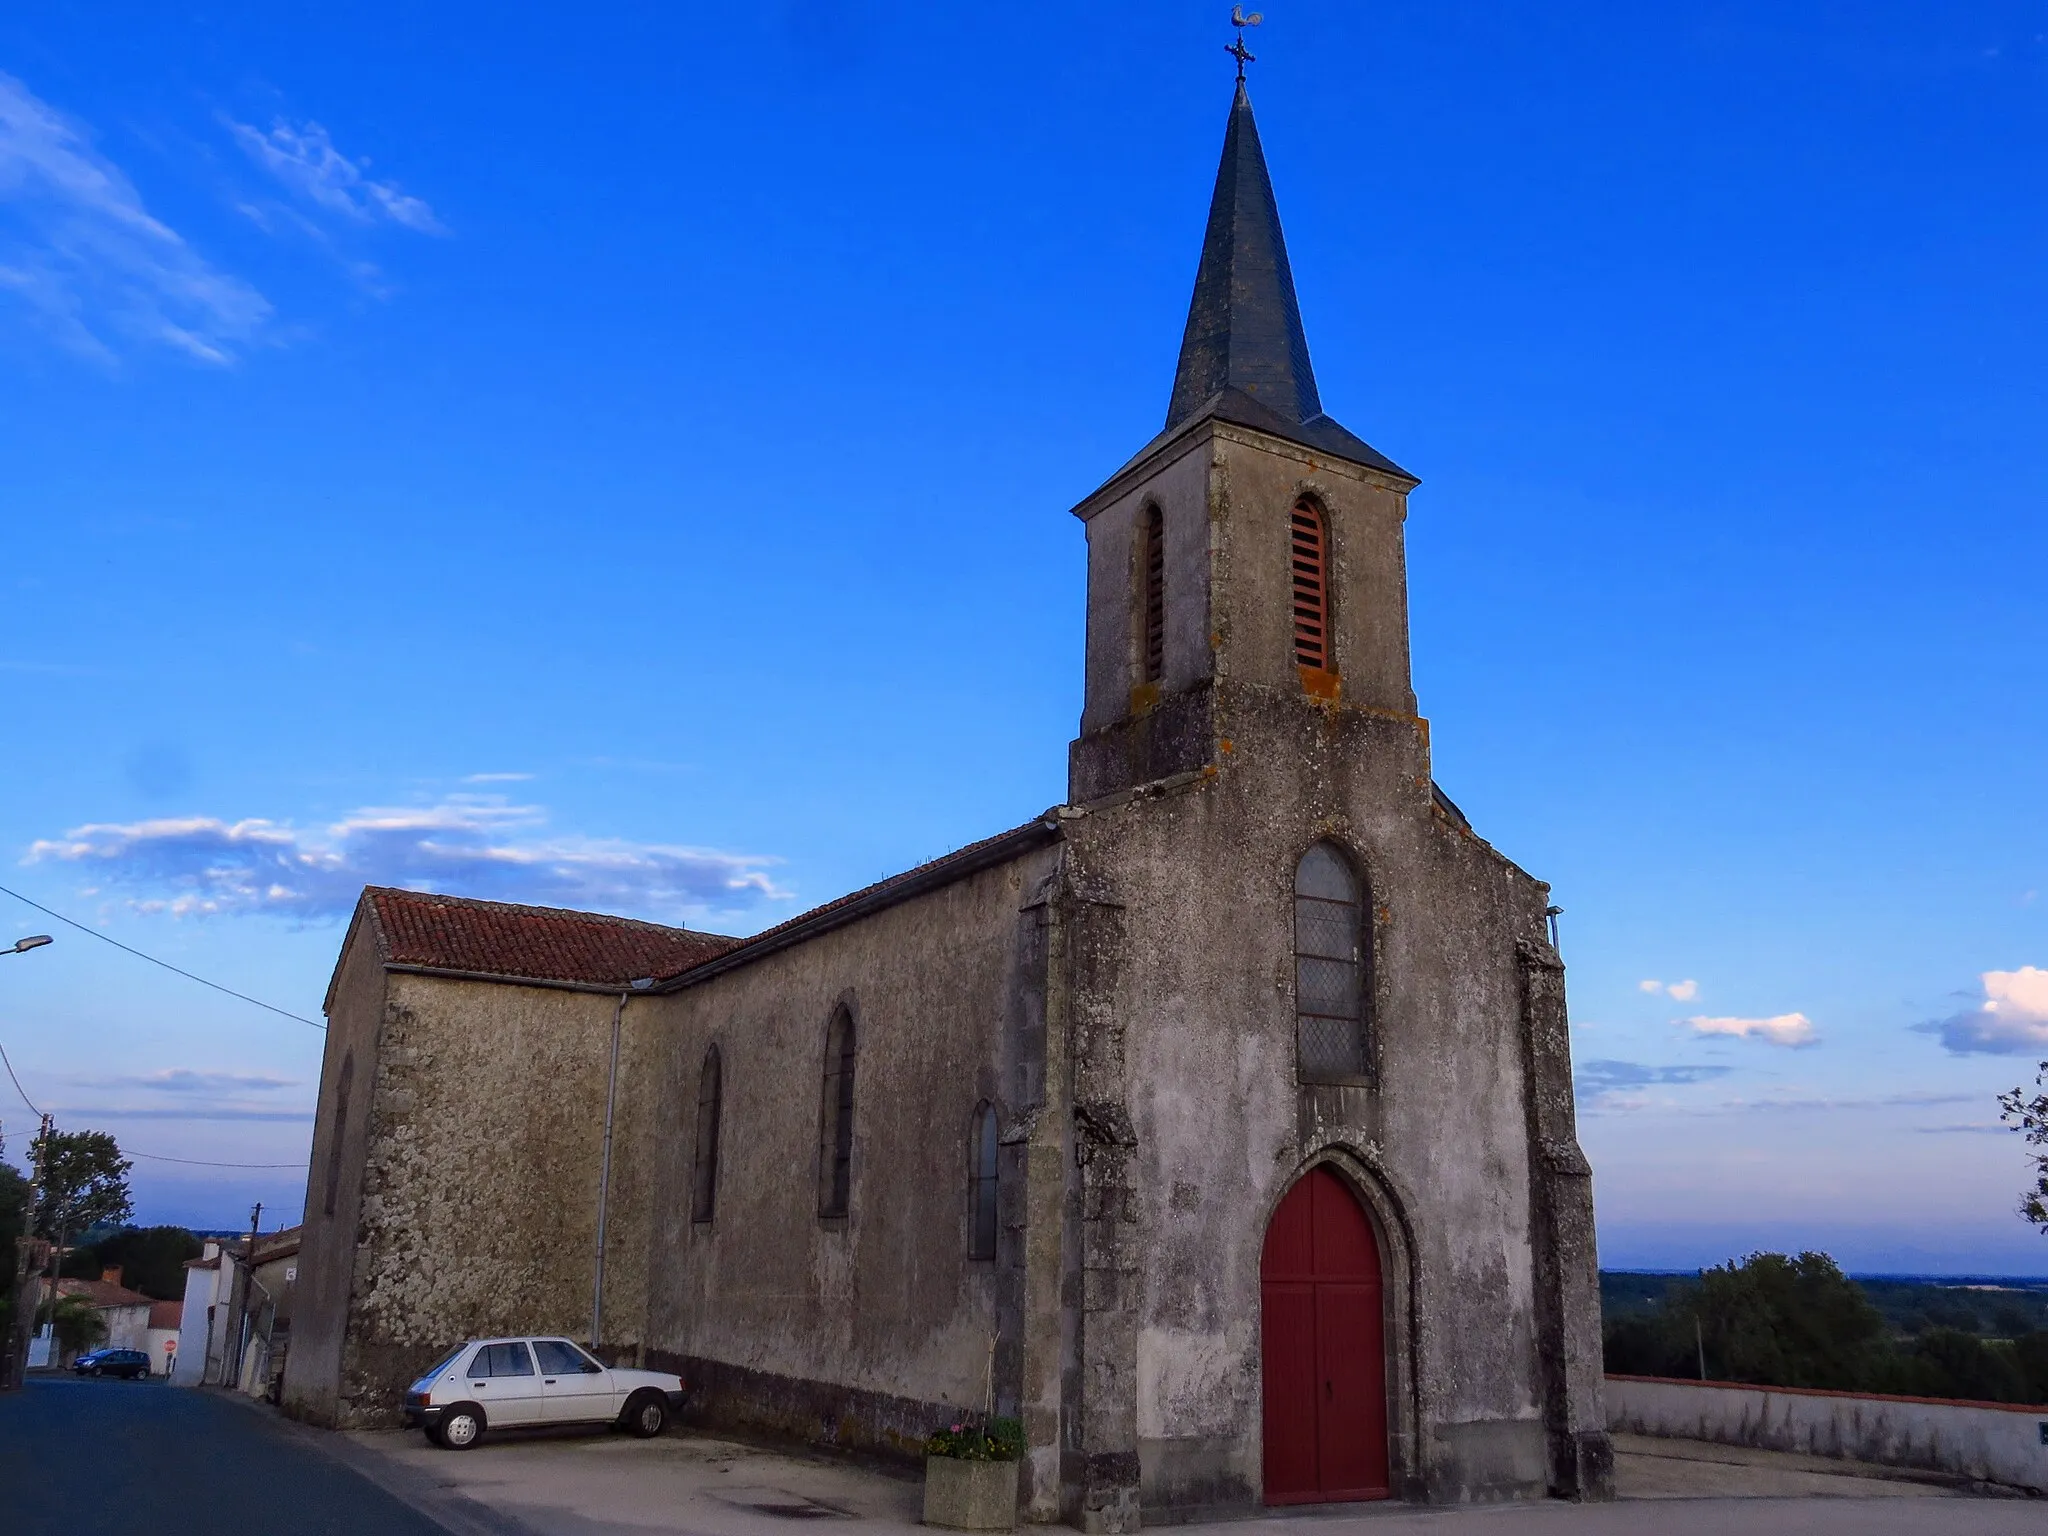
[1237,50]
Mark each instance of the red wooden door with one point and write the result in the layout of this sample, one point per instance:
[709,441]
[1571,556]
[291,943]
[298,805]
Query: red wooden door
[1322,1337]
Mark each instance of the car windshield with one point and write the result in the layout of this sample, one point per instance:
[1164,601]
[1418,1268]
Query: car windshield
[441,1365]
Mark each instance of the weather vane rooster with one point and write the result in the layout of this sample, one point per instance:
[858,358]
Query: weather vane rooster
[1237,50]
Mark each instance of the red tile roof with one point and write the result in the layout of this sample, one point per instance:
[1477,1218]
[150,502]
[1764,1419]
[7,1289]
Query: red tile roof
[497,938]
[166,1314]
[103,1293]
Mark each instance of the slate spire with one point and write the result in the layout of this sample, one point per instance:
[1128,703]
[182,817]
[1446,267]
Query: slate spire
[1244,326]
[1244,355]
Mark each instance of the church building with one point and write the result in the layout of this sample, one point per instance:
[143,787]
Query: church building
[1216,1124]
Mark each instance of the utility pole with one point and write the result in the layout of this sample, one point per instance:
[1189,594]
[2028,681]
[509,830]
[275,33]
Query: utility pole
[16,1365]
[238,1311]
[56,1260]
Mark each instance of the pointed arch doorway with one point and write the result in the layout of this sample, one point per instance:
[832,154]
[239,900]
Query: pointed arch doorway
[1322,1336]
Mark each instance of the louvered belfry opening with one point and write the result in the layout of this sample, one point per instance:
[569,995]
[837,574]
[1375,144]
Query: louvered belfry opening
[1154,577]
[1309,560]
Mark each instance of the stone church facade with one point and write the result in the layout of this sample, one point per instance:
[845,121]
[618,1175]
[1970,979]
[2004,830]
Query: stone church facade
[1216,1123]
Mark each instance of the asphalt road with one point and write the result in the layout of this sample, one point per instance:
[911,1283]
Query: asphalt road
[78,1458]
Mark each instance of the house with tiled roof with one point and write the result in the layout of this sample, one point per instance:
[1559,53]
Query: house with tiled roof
[1215,1123]
[125,1312]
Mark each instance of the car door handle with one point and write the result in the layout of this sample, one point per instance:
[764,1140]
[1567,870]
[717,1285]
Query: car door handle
[547,1381]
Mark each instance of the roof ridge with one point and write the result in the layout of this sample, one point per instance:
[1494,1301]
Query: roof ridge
[485,903]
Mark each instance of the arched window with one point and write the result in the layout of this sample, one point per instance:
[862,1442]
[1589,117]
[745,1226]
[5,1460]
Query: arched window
[710,1090]
[981,1183]
[1309,561]
[1329,967]
[835,1123]
[341,1095]
[1152,609]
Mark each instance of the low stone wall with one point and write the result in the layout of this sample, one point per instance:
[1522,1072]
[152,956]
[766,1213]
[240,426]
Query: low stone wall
[721,1396]
[1985,1442]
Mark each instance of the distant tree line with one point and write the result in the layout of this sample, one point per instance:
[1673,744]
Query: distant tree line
[1778,1321]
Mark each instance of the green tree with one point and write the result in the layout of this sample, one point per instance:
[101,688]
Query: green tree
[77,1324]
[13,1226]
[2030,1118]
[2030,1354]
[1946,1362]
[1785,1322]
[83,1183]
[151,1259]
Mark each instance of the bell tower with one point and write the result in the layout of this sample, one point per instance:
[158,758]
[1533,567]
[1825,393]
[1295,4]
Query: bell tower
[1254,544]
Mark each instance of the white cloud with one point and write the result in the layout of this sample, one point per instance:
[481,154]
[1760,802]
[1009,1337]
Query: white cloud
[496,778]
[184,1080]
[78,247]
[306,161]
[2012,1020]
[1684,991]
[180,1112]
[468,845]
[1781,1029]
[1610,1084]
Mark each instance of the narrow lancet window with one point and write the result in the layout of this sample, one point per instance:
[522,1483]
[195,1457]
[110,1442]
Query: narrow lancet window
[1329,968]
[1153,616]
[835,1128]
[981,1184]
[1308,559]
[710,1094]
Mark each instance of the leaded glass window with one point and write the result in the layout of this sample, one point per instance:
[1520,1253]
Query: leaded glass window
[1330,965]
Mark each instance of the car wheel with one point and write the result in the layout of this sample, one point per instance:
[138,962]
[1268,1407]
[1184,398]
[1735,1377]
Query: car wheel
[461,1428]
[433,1434]
[646,1415]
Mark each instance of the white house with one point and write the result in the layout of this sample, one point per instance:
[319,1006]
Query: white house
[203,1319]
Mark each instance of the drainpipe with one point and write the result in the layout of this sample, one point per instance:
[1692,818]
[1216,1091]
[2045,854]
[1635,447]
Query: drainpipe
[604,1176]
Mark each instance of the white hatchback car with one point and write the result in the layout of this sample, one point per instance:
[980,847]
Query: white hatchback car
[515,1383]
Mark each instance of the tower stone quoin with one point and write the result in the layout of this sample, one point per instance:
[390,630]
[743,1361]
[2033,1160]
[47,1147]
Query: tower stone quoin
[1288,1202]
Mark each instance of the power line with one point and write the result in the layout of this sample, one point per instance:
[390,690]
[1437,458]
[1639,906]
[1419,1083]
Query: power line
[195,1162]
[17,1085]
[155,1157]
[152,959]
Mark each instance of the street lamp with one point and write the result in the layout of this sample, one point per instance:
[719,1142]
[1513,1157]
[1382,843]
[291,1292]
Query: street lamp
[16,1344]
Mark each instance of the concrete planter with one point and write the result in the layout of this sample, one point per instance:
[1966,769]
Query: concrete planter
[970,1495]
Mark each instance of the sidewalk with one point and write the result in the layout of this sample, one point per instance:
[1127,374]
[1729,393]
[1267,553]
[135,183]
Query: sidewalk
[579,1484]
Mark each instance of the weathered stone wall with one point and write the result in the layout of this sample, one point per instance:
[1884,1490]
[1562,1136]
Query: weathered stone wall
[1180,490]
[327,1245]
[480,1179]
[868,1329]
[1493,1391]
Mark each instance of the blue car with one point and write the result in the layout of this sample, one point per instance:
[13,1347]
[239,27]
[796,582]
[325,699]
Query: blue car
[130,1363]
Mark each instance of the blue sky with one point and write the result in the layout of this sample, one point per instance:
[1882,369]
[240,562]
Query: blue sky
[622,459]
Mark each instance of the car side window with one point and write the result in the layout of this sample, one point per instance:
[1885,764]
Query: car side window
[558,1357]
[502,1360]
